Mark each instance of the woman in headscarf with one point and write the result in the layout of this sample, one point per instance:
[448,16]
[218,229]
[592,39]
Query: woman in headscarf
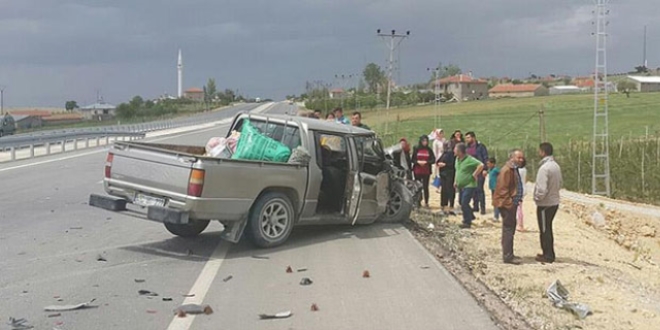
[447,170]
[423,159]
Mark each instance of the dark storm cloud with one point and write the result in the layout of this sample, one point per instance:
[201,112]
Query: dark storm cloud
[53,50]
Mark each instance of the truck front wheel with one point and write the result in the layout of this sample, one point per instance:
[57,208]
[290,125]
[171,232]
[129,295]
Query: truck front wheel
[271,220]
[399,205]
[192,229]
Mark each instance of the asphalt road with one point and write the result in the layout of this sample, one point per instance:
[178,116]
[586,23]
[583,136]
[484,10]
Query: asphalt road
[50,241]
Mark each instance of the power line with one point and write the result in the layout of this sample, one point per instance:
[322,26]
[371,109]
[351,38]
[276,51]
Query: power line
[394,40]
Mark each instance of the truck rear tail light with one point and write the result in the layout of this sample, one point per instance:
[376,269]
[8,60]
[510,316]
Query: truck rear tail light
[196,183]
[108,165]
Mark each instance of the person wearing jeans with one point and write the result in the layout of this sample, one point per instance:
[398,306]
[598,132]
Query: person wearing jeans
[478,150]
[468,169]
[507,197]
[546,196]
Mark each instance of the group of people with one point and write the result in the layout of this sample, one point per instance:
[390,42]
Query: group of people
[460,166]
[337,115]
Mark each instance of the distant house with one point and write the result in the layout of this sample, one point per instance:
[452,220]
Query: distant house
[522,90]
[463,86]
[32,113]
[98,111]
[336,93]
[570,89]
[194,93]
[646,83]
[27,121]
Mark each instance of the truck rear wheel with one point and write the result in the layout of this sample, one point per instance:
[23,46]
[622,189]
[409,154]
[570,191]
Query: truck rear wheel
[192,229]
[399,205]
[271,220]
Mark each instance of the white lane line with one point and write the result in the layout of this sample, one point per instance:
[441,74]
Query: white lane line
[202,285]
[99,151]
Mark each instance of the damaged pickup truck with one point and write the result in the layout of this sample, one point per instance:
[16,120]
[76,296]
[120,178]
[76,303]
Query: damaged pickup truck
[345,178]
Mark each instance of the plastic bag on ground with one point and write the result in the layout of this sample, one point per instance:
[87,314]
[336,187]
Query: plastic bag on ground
[558,295]
[252,145]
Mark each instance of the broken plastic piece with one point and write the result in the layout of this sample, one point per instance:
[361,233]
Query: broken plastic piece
[558,295]
[100,258]
[167,299]
[139,280]
[151,311]
[289,270]
[19,324]
[55,315]
[227,279]
[63,308]
[425,267]
[193,309]
[306,281]
[281,315]
[366,274]
[314,308]
[75,227]
[260,257]
[301,270]
[147,293]
[430,226]
[190,295]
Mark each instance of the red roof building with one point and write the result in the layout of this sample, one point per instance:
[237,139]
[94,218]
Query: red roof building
[522,90]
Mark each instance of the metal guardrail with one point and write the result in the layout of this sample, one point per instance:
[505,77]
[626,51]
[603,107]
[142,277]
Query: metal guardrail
[62,140]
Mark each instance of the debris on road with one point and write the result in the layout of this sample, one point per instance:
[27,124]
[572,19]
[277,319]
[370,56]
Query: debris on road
[425,267]
[558,295]
[289,270]
[281,315]
[101,258]
[314,308]
[19,324]
[366,274]
[167,299]
[183,310]
[189,295]
[301,270]
[55,315]
[147,293]
[64,308]
[139,280]
[306,281]
[228,278]
[72,228]
[151,311]
[260,257]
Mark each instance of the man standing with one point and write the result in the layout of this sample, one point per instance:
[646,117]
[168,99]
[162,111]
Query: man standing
[356,120]
[477,150]
[468,170]
[507,197]
[546,196]
[339,116]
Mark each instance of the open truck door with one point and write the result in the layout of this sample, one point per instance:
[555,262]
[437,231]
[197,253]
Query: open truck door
[353,184]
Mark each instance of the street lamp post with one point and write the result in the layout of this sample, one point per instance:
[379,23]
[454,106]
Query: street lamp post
[393,40]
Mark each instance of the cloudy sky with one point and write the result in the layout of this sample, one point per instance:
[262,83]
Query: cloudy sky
[55,50]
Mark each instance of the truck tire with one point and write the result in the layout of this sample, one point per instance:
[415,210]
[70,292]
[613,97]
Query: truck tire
[399,206]
[271,220]
[192,229]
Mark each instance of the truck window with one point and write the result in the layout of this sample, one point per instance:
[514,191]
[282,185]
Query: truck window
[289,135]
[373,159]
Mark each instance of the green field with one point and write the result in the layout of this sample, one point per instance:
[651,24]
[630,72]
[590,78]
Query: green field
[506,123]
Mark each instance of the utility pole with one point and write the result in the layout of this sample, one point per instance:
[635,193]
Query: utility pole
[542,134]
[436,91]
[2,100]
[600,171]
[645,62]
[393,40]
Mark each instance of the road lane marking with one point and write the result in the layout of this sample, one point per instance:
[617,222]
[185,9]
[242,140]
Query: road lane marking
[202,285]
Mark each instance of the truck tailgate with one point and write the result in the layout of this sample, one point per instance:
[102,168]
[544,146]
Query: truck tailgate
[150,170]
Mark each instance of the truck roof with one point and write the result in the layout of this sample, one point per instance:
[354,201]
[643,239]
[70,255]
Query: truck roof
[314,124]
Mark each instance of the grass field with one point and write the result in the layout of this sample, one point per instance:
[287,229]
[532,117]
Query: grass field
[506,123]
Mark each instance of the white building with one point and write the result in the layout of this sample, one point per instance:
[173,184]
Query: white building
[569,89]
[98,111]
[646,83]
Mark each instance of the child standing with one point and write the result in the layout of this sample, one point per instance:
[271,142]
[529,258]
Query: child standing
[493,172]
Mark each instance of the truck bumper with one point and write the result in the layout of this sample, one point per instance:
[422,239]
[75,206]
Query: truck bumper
[154,213]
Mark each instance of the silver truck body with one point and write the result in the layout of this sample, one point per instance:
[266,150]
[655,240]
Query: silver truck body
[159,177]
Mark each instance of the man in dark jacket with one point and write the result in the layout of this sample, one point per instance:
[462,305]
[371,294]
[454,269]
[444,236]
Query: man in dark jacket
[508,195]
[478,150]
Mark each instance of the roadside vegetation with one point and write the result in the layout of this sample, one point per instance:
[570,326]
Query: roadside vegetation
[502,124]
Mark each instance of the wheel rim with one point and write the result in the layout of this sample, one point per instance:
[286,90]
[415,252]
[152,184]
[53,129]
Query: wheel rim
[394,204]
[274,219]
